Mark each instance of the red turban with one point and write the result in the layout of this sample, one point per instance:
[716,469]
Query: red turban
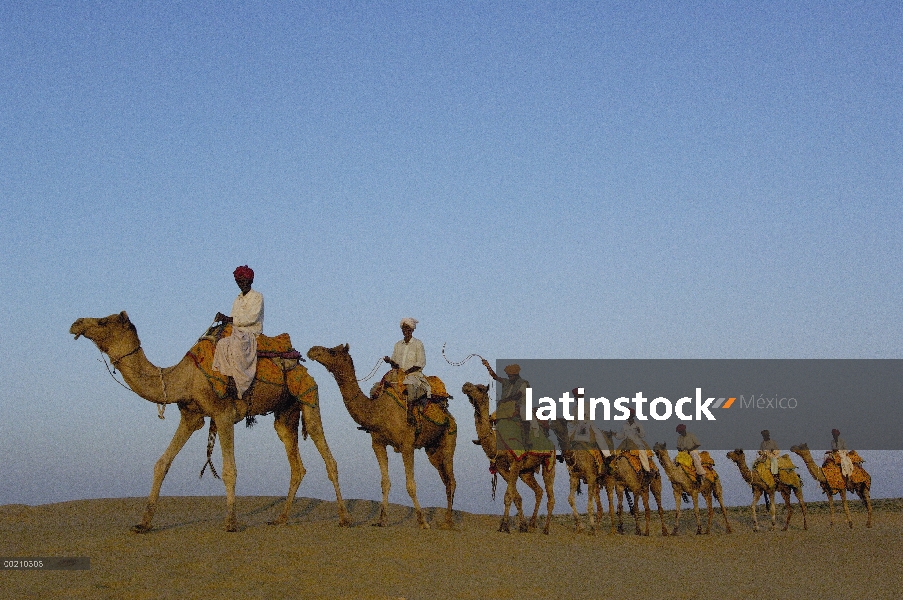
[244,272]
[835,432]
[681,428]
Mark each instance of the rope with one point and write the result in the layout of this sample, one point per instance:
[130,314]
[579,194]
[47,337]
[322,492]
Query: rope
[372,372]
[161,408]
[458,364]
[467,358]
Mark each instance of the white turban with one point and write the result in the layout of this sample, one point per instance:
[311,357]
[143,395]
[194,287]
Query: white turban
[410,322]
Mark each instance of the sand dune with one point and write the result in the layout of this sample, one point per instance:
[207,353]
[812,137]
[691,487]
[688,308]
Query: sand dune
[188,555]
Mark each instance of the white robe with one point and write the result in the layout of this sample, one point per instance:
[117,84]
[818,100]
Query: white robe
[412,354]
[236,355]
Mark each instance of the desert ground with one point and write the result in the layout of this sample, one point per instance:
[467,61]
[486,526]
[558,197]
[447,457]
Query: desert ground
[189,555]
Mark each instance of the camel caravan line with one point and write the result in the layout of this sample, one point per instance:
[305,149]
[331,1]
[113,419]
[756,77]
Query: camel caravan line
[284,387]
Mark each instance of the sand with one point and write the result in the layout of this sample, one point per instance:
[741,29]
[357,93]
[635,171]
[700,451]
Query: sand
[189,555]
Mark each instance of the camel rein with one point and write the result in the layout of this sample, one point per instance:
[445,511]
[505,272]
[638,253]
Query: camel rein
[373,371]
[161,407]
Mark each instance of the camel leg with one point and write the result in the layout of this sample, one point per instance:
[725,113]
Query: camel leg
[591,491]
[511,495]
[382,458]
[548,478]
[529,477]
[866,498]
[756,493]
[609,490]
[830,505]
[572,500]
[774,510]
[647,510]
[314,425]
[188,423]
[789,506]
[799,497]
[440,460]
[286,426]
[226,430]
[696,512]
[655,486]
[846,508]
[677,501]
[711,511]
[407,455]
[719,496]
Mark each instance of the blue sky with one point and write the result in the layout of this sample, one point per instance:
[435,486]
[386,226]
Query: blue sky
[527,179]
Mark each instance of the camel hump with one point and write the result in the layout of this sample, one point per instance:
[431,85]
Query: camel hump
[279,343]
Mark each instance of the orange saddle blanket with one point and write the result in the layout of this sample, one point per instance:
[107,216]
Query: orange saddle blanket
[272,368]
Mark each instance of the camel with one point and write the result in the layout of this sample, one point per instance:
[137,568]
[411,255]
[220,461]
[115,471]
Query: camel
[861,488]
[502,462]
[681,483]
[185,384]
[385,419]
[584,467]
[639,484]
[760,487]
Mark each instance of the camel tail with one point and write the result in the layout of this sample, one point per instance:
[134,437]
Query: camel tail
[767,502]
[211,442]
[579,487]
[495,480]
[629,500]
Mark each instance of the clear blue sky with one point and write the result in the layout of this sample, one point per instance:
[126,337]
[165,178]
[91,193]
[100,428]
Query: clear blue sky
[541,180]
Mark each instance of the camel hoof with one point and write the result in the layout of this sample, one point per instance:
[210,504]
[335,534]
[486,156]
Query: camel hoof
[141,528]
[280,521]
[345,522]
[675,531]
[378,524]
[424,525]
[523,528]
[545,530]
[851,524]
[504,528]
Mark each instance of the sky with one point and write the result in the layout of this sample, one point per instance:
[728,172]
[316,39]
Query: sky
[527,179]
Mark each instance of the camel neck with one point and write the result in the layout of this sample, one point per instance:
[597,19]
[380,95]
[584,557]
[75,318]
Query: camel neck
[145,379]
[484,430]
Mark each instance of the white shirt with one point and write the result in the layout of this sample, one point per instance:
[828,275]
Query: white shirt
[411,354]
[247,312]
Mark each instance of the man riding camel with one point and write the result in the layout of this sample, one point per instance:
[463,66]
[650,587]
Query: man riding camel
[407,362]
[634,434]
[839,447]
[688,442]
[236,355]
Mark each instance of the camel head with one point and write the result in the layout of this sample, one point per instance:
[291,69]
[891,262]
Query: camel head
[331,358]
[737,455]
[107,332]
[800,448]
[660,446]
[476,393]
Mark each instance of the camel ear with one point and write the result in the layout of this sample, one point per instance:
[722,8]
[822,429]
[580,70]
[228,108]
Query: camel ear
[345,347]
[123,317]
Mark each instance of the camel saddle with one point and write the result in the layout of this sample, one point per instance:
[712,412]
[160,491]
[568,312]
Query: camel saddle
[686,462]
[786,471]
[832,470]
[276,364]
[633,456]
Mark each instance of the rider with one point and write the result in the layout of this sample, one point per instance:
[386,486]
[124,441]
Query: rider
[236,355]
[409,358]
